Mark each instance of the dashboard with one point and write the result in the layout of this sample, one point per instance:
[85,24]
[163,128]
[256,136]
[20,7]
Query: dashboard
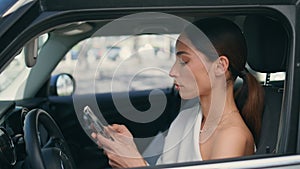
[12,145]
[7,148]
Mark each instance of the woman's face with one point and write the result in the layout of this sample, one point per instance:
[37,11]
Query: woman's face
[190,70]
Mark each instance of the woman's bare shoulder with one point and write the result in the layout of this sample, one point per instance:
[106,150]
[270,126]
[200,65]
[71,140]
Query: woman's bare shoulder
[232,141]
[234,132]
[234,127]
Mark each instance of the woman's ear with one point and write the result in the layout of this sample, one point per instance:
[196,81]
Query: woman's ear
[222,64]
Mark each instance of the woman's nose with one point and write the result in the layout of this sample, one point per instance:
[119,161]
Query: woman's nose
[173,72]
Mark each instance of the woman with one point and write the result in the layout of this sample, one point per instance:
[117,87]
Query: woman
[228,125]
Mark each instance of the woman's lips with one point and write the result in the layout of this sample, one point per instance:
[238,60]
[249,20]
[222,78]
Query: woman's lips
[177,86]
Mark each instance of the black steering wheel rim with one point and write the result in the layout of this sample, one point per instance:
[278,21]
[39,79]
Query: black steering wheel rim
[33,148]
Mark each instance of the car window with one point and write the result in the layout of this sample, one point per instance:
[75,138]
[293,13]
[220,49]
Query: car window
[120,63]
[13,78]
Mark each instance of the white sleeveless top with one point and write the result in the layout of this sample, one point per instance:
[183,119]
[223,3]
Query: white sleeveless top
[182,141]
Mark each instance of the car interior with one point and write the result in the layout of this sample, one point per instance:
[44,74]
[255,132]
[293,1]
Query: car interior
[262,31]
[268,42]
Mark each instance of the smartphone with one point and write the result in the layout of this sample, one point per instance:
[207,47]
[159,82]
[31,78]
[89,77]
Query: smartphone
[94,123]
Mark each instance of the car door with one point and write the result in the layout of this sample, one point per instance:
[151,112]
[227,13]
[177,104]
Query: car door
[286,154]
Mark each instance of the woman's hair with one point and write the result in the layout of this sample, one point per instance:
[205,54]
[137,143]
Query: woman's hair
[226,39]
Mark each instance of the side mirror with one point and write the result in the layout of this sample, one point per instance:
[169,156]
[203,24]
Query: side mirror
[62,84]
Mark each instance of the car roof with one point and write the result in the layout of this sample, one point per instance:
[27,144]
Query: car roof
[50,5]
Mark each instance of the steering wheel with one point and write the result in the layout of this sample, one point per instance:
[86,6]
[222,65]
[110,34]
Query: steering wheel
[55,154]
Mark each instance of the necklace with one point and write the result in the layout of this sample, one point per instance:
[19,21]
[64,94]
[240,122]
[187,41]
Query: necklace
[205,129]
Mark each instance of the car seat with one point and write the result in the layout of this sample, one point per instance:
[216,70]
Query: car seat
[267,42]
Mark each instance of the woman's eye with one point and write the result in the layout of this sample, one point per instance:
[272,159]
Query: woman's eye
[183,60]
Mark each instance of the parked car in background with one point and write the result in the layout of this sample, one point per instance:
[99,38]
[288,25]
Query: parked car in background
[58,56]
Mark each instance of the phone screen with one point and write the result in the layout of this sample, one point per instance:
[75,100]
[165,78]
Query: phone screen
[94,123]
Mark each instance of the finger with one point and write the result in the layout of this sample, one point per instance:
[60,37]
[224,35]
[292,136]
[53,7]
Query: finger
[110,131]
[106,134]
[119,128]
[104,142]
[94,135]
[118,137]
[100,145]
[116,127]
[122,129]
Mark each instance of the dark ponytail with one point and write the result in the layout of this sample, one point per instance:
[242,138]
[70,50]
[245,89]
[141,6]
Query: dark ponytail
[250,104]
[228,40]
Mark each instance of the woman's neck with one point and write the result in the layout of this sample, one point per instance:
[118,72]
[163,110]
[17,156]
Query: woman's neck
[208,106]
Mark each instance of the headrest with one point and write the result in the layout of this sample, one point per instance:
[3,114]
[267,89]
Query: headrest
[267,43]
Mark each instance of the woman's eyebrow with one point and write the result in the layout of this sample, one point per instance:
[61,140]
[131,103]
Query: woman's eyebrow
[181,53]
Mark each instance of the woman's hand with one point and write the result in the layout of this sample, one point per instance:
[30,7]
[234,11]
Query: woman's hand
[122,152]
